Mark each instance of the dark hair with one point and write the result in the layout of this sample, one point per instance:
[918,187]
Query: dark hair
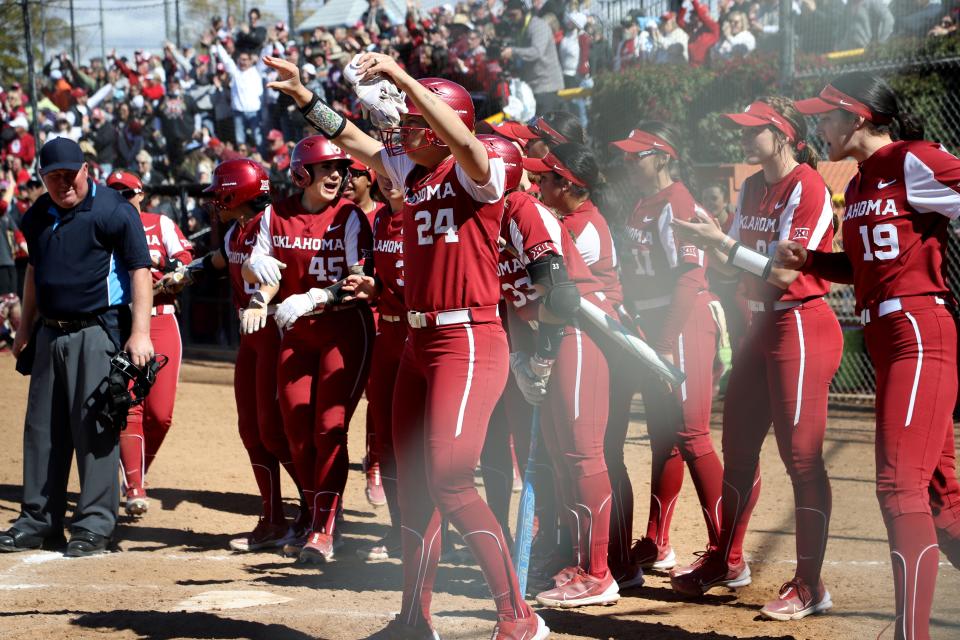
[583,164]
[882,100]
[566,124]
[802,151]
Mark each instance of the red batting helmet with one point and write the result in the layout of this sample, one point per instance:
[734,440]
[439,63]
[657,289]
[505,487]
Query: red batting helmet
[236,182]
[448,92]
[310,151]
[512,158]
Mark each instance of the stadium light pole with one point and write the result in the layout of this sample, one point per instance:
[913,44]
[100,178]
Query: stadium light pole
[103,41]
[31,77]
[73,34]
[176,10]
[787,44]
[291,18]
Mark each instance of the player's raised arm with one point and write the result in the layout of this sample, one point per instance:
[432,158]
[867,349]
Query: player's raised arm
[323,117]
[446,124]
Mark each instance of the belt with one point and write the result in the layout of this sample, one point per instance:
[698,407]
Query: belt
[70,326]
[893,305]
[779,305]
[387,318]
[421,320]
[163,310]
[652,303]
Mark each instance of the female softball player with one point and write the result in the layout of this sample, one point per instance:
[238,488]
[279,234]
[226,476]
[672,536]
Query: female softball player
[317,238]
[148,423]
[359,189]
[241,191]
[665,286]
[454,365]
[898,212]
[783,371]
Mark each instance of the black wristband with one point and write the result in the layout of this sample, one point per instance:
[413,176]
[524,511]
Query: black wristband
[549,337]
[733,251]
[207,262]
[323,118]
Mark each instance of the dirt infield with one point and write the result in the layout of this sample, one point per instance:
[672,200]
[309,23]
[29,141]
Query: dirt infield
[172,575]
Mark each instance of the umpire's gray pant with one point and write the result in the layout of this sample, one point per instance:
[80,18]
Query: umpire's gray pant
[64,412]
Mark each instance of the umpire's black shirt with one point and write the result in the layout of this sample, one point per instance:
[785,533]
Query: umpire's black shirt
[82,257]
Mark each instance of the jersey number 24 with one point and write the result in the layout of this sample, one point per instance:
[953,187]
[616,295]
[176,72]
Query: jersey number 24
[429,226]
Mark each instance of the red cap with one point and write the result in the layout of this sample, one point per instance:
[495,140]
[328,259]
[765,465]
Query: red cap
[639,141]
[550,163]
[214,142]
[515,131]
[275,134]
[203,58]
[832,98]
[761,114]
[78,92]
[124,180]
[667,15]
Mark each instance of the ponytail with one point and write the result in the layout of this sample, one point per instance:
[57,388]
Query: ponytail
[909,127]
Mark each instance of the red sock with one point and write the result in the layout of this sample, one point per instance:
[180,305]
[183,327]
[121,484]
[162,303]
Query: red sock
[621,519]
[131,455]
[707,474]
[814,503]
[740,494]
[481,532]
[593,510]
[665,483]
[421,553]
[266,471]
[914,556]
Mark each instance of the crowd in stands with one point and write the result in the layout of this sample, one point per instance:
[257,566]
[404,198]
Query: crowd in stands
[171,115]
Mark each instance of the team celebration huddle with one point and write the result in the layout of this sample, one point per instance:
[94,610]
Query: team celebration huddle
[463,276]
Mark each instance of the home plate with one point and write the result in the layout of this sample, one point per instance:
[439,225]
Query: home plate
[217,600]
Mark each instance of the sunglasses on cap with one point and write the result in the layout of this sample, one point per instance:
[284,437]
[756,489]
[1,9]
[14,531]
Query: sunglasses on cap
[542,129]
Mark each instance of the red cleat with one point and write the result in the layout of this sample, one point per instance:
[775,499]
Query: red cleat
[582,590]
[797,600]
[710,570]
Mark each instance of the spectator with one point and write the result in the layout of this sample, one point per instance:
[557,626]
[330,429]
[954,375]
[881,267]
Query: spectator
[703,30]
[178,120]
[246,94]
[251,35]
[535,53]
[8,230]
[670,40]
[947,26]
[569,49]
[635,43]
[918,18]
[23,144]
[815,26]
[130,142]
[148,176]
[737,40]
[865,23]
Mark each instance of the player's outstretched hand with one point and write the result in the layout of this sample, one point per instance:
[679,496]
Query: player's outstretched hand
[252,319]
[705,231]
[370,64]
[266,269]
[291,309]
[288,80]
[790,255]
[359,287]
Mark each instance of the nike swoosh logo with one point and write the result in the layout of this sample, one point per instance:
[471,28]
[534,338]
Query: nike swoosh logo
[779,205]
[334,227]
[647,219]
[149,228]
[657,144]
[845,103]
[250,242]
[883,185]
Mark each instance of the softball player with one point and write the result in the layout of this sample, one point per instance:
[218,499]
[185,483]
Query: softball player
[665,285]
[148,423]
[898,212]
[791,351]
[317,238]
[454,364]
[241,192]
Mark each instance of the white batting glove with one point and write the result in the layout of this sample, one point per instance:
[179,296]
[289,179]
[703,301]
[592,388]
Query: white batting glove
[252,320]
[267,269]
[294,307]
[532,386]
[382,102]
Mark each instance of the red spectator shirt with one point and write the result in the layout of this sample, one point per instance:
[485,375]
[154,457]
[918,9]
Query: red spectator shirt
[25,148]
[388,260]
[592,238]
[165,241]
[450,229]
[655,253]
[238,243]
[796,209]
[897,217]
[319,248]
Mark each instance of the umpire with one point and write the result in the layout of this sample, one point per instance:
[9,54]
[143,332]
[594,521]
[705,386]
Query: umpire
[88,262]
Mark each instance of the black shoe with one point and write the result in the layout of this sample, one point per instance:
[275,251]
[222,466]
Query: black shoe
[86,543]
[397,630]
[13,540]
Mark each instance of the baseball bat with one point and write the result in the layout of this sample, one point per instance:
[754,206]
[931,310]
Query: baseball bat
[525,512]
[636,347]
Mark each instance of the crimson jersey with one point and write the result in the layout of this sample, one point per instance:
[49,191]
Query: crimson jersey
[165,241]
[450,230]
[654,252]
[591,235]
[892,232]
[238,243]
[795,209]
[388,260]
[532,231]
[319,248]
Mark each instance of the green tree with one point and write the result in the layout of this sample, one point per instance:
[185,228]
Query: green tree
[13,58]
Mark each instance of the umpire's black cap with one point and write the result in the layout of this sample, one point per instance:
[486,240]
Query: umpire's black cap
[60,153]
